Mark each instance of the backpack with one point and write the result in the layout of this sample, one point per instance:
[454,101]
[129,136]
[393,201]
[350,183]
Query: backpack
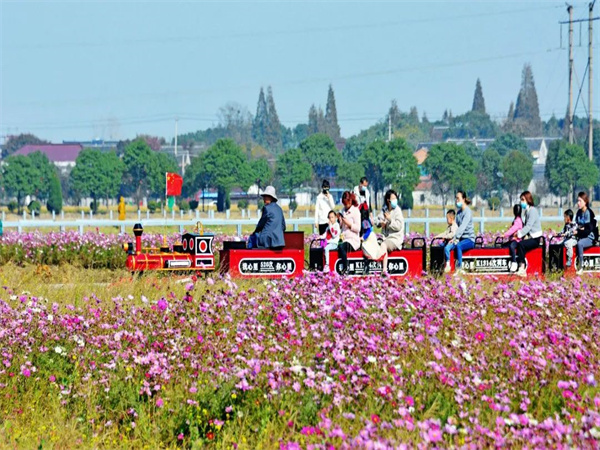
[594,224]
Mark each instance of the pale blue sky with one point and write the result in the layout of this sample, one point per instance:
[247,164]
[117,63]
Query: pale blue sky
[81,70]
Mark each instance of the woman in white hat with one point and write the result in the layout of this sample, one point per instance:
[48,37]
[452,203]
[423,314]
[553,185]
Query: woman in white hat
[270,227]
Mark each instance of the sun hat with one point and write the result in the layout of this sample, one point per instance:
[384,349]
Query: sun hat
[270,191]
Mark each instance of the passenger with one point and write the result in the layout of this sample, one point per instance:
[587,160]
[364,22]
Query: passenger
[568,235]
[517,225]
[530,235]
[363,197]
[332,236]
[350,225]
[323,205]
[362,192]
[452,227]
[270,227]
[464,238]
[586,224]
[391,222]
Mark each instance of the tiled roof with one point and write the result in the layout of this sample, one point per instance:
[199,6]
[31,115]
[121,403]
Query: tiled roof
[54,152]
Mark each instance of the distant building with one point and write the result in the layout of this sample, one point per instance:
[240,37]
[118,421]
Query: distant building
[63,156]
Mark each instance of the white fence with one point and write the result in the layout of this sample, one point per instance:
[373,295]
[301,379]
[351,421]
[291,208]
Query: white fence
[208,220]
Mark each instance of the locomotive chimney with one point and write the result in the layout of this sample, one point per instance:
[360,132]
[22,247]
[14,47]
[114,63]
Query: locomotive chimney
[138,230]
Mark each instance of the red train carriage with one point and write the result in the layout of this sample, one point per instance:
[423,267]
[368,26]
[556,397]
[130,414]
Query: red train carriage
[238,261]
[557,257]
[193,253]
[490,260]
[408,262]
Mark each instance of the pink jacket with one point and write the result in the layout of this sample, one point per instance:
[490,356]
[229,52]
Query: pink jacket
[350,234]
[516,226]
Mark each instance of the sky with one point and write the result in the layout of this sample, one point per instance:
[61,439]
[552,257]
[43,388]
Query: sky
[111,70]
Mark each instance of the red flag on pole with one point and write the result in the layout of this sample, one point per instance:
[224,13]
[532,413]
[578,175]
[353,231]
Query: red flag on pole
[174,183]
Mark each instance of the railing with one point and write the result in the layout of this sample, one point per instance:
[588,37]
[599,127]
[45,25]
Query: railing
[184,222]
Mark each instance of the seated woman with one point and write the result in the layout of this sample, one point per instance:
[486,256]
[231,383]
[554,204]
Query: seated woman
[530,234]
[464,238]
[391,222]
[350,223]
[586,224]
[270,227]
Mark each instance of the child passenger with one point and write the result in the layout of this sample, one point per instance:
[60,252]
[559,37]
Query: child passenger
[332,236]
[452,227]
[568,235]
[511,234]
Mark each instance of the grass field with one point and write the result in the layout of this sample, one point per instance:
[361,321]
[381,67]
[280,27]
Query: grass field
[98,359]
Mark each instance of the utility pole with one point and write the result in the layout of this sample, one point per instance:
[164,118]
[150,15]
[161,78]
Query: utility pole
[389,128]
[571,134]
[590,83]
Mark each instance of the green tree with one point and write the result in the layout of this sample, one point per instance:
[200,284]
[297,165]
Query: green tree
[331,120]
[568,169]
[138,159]
[259,126]
[19,177]
[45,170]
[15,142]
[517,172]
[526,117]
[451,169]
[55,200]
[273,135]
[348,174]
[478,100]
[97,174]
[353,149]
[161,163]
[373,160]
[262,174]
[319,151]
[473,124]
[292,170]
[196,178]
[225,166]
[508,142]
[490,173]
[400,170]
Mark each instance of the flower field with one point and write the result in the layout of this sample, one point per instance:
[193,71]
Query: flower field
[317,362]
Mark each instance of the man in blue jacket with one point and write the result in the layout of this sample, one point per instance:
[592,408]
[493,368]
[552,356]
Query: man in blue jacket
[270,228]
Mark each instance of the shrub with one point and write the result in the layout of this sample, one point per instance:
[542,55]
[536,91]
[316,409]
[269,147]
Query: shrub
[55,200]
[153,206]
[94,206]
[242,204]
[13,206]
[34,206]
[193,205]
[293,205]
[494,203]
[260,203]
[184,205]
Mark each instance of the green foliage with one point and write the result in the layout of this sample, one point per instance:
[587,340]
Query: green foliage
[331,120]
[45,171]
[478,100]
[261,172]
[568,169]
[242,204]
[517,171]
[292,170]
[94,206]
[153,206]
[508,142]
[161,164]
[451,169]
[372,160]
[494,203]
[97,174]
[34,206]
[472,124]
[273,135]
[293,205]
[138,159]
[20,177]
[260,203]
[319,151]
[13,206]
[400,169]
[193,205]
[354,147]
[223,166]
[55,199]
[348,174]
[259,126]
[526,119]
[490,173]
[184,205]
[14,143]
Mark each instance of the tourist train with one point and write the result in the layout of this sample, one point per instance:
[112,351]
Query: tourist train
[195,253]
